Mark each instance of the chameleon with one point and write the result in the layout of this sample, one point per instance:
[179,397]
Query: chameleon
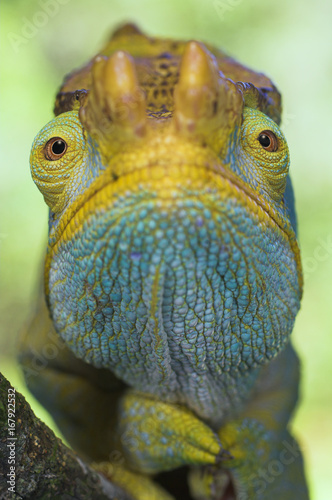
[172,278]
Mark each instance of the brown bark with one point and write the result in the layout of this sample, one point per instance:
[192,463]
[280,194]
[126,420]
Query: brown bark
[44,467]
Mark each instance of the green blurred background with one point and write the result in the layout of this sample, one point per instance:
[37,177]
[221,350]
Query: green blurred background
[290,41]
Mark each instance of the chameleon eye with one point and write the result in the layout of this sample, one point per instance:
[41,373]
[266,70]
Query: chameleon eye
[268,140]
[55,148]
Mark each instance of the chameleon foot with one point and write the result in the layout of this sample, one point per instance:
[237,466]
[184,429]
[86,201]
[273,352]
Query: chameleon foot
[135,486]
[158,436]
[265,466]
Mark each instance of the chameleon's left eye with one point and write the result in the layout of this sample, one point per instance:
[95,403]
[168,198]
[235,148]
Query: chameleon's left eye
[268,140]
[55,148]
[263,153]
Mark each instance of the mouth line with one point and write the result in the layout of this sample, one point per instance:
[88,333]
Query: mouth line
[215,175]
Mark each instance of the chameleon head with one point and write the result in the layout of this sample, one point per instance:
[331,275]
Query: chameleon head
[171,248]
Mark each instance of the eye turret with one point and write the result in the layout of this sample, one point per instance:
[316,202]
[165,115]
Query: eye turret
[58,158]
[263,154]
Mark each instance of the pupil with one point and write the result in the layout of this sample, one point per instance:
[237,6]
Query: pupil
[58,147]
[264,140]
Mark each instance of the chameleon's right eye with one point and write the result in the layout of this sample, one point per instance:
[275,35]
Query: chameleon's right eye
[55,148]
[59,156]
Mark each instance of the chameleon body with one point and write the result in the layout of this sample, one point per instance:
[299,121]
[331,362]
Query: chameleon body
[173,274]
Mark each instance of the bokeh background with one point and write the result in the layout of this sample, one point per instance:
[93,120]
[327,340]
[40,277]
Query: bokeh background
[41,40]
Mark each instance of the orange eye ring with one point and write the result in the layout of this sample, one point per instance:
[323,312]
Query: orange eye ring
[268,141]
[55,148]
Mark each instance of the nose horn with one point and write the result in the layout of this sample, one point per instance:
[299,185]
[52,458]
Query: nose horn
[203,98]
[116,101]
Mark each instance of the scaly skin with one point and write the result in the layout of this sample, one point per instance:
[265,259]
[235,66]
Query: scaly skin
[172,273]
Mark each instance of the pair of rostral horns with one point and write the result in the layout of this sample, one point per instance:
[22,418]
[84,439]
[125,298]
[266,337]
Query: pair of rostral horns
[203,98]
[115,91]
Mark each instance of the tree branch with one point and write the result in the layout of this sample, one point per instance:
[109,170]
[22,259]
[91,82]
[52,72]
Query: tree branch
[35,464]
